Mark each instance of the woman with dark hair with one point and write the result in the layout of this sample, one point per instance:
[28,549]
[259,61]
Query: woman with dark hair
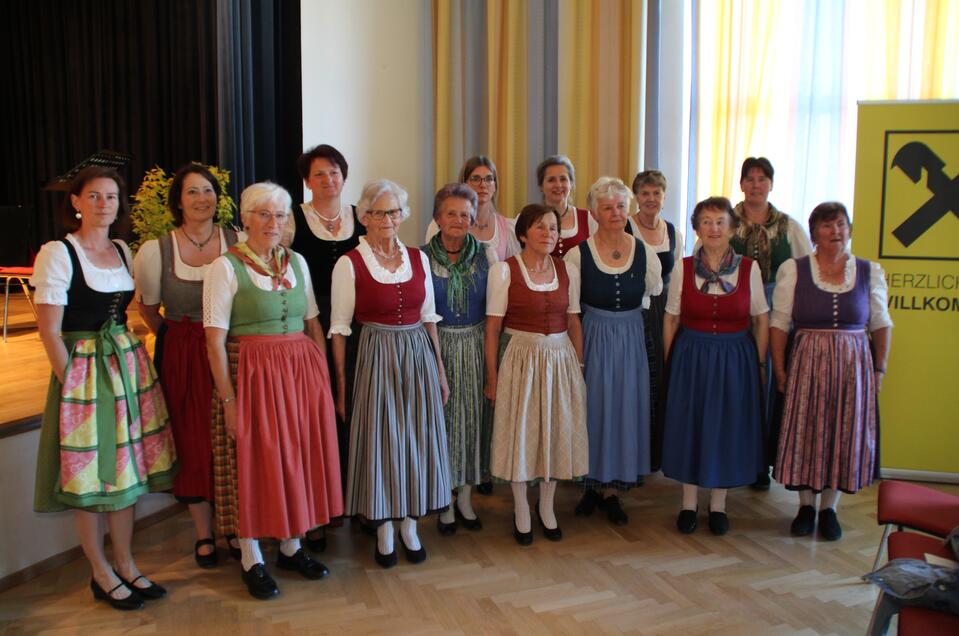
[460,266]
[169,273]
[535,376]
[713,435]
[277,471]
[830,429]
[770,238]
[322,230]
[666,241]
[399,466]
[491,228]
[105,439]
[618,273]
[557,178]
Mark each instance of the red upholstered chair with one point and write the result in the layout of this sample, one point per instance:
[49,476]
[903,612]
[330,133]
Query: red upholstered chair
[907,505]
[917,621]
[21,275]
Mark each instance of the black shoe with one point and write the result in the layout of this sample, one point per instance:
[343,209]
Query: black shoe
[446,529]
[485,488]
[686,521]
[234,551]
[470,524]
[614,511]
[718,523]
[205,560]
[133,602]
[317,542]
[762,481]
[413,556]
[804,522]
[151,593]
[522,538]
[260,584]
[829,528]
[385,561]
[588,503]
[302,563]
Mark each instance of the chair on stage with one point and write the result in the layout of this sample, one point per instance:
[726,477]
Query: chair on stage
[21,275]
[907,505]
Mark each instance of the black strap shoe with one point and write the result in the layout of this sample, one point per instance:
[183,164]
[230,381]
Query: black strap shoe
[149,593]
[260,584]
[302,563]
[205,560]
[132,602]
[614,511]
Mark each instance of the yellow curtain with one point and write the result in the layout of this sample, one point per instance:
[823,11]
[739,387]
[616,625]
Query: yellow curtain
[601,88]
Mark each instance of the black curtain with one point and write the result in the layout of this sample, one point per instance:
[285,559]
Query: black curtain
[142,77]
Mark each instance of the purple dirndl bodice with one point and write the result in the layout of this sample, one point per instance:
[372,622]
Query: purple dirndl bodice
[815,308]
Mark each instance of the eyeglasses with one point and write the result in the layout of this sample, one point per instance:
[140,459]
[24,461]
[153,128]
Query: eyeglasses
[476,179]
[266,215]
[379,214]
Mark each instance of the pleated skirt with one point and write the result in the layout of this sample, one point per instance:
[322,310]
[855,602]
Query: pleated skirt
[658,380]
[399,458]
[713,435]
[188,387]
[468,414]
[539,422]
[830,425]
[282,477]
[617,383]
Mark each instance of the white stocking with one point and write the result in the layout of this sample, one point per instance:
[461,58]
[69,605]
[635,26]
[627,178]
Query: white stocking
[289,546]
[384,538]
[250,553]
[547,490]
[520,506]
[463,502]
[408,530]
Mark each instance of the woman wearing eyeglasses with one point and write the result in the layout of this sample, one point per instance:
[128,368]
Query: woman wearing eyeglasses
[491,228]
[276,463]
[398,460]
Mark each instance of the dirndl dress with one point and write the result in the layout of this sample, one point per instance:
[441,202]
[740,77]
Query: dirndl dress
[829,435]
[398,458]
[617,372]
[462,336]
[281,475]
[539,421]
[713,434]
[105,438]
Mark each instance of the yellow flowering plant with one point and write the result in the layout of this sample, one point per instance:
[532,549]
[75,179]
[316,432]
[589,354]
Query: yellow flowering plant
[150,217]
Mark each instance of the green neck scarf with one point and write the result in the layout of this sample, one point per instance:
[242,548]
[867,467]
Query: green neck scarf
[461,272]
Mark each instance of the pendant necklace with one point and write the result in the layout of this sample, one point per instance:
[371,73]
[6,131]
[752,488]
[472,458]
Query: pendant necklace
[199,245]
[328,222]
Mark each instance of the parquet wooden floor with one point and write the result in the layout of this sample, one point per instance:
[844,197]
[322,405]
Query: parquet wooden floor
[644,578]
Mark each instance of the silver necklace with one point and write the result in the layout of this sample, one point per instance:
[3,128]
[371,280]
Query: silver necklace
[199,246]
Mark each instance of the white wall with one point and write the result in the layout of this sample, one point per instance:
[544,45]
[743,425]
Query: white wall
[368,91]
[27,537]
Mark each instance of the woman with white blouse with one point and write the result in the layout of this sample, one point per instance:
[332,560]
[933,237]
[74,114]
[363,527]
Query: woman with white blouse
[491,228]
[713,435]
[618,273]
[398,459]
[556,178]
[169,273]
[666,242]
[535,374]
[277,466]
[830,428]
[105,439]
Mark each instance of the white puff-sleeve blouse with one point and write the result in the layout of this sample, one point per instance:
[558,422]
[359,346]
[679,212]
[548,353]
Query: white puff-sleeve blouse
[220,285]
[784,293]
[343,288]
[757,294]
[53,271]
[654,267]
[148,266]
[497,287]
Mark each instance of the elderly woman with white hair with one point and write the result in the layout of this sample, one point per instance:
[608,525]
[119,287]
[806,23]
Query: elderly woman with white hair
[460,264]
[398,459]
[275,454]
[618,274]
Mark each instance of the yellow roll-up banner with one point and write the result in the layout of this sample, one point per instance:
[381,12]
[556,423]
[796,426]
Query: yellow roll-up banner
[906,217]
